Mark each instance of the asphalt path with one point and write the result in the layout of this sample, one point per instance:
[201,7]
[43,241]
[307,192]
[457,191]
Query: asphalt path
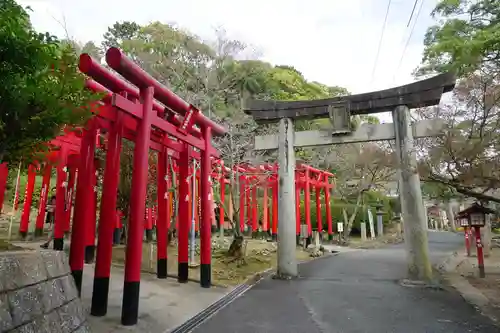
[353,292]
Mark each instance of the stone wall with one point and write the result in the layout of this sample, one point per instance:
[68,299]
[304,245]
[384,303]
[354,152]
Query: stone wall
[38,294]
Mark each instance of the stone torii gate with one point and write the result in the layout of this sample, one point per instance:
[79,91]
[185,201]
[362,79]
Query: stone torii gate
[399,100]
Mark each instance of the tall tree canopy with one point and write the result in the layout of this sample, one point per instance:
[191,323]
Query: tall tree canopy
[467,41]
[42,89]
[217,77]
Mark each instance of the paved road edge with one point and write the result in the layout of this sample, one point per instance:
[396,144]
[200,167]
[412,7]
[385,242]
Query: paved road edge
[469,293]
[227,299]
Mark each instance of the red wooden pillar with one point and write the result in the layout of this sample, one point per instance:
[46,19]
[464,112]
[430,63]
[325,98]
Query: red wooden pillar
[28,199]
[274,233]
[297,210]
[206,211]
[90,221]
[480,255]
[84,191]
[69,197]
[255,219]
[242,203]
[265,208]
[138,191]
[307,202]
[169,197]
[162,223]
[109,220]
[248,201]
[44,193]
[18,189]
[149,224]
[317,189]
[213,225]
[183,214]
[222,184]
[191,200]
[467,241]
[328,212]
[153,216]
[177,215]
[60,213]
[197,207]
[4,173]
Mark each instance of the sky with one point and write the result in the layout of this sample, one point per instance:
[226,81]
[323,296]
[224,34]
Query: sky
[334,42]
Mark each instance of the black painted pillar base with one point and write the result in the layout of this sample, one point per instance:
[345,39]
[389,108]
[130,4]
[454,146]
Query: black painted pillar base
[58,244]
[297,239]
[38,232]
[205,275]
[274,237]
[149,235]
[23,234]
[77,276]
[161,268]
[309,241]
[214,228]
[89,254]
[330,237]
[183,272]
[130,305]
[100,292]
[482,273]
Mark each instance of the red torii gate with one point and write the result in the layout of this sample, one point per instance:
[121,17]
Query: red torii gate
[266,176]
[319,179]
[69,146]
[123,116]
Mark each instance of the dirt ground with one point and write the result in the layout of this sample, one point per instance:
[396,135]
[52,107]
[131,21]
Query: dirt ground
[260,256]
[489,285]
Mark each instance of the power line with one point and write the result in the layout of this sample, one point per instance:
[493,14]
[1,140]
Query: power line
[409,38]
[380,41]
[412,12]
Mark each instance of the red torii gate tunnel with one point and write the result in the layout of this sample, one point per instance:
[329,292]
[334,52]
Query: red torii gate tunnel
[132,110]
[266,177]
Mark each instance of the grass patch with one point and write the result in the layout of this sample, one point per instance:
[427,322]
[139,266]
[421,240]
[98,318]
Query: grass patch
[260,256]
[5,245]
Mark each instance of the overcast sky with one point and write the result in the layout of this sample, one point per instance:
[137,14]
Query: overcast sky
[334,42]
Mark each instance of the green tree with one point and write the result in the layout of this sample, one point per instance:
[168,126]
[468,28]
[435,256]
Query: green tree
[41,91]
[467,38]
[119,32]
[467,41]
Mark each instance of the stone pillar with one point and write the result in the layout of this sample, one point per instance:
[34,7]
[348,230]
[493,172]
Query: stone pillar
[380,223]
[317,242]
[363,231]
[287,263]
[417,247]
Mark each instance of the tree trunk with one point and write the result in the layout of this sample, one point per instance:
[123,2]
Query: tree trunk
[353,216]
[451,216]
[236,247]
